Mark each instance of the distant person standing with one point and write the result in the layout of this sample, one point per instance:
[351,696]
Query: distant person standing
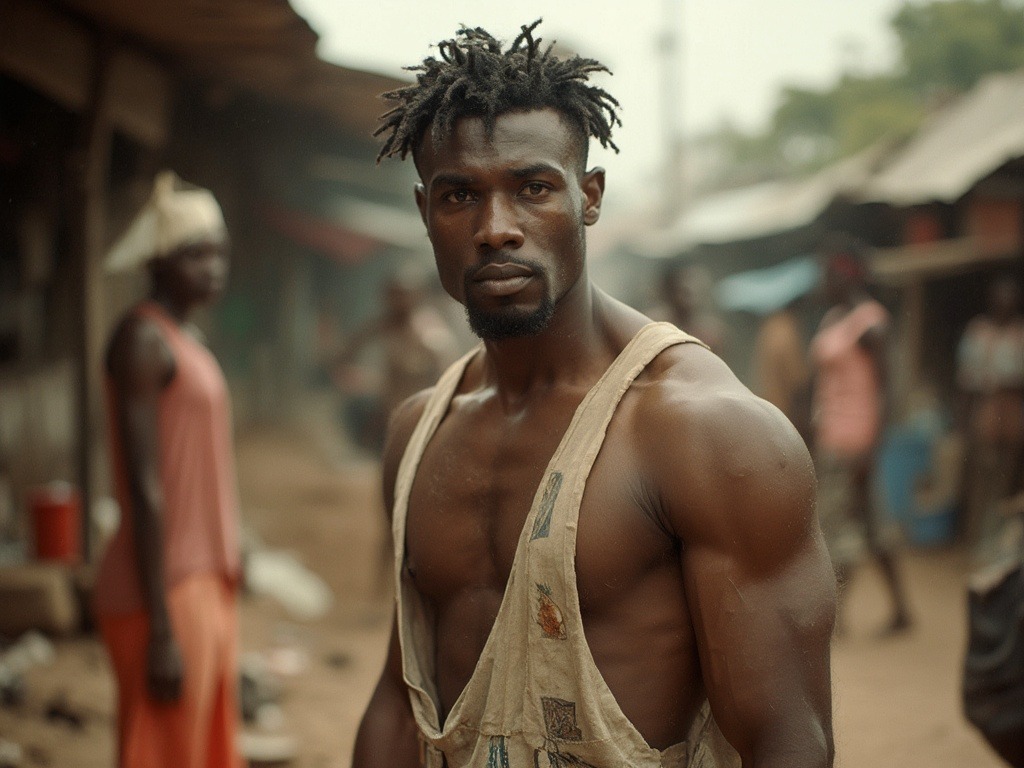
[990,374]
[686,303]
[166,587]
[415,345]
[775,296]
[849,358]
[780,365]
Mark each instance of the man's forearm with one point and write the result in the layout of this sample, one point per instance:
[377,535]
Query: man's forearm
[147,519]
[387,736]
[809,747]
[802,740]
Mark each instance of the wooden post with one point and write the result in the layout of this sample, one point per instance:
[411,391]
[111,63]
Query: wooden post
[89,167]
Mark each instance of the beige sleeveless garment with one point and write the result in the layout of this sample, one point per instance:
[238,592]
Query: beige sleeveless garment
[536,698]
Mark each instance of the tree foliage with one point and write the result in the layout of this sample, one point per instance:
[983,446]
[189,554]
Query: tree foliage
[948,46]
[945,47]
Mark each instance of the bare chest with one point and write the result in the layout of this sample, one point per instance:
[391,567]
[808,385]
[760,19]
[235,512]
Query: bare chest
[473,493]
[470,502]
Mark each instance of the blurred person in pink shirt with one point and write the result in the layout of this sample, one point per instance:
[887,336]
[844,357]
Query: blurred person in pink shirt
[166,586]
[848,354]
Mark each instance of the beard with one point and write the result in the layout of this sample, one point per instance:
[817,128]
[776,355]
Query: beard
[509,322]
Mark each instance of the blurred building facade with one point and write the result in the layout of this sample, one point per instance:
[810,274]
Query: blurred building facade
[97,96]
[942,214]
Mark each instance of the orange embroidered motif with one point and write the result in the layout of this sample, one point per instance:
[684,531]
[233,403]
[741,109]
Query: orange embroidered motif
[549,616]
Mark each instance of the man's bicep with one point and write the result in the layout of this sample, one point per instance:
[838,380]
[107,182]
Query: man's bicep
[140,366]
[763,639]
[759,582]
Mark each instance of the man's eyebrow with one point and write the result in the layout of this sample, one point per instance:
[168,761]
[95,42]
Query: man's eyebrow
[535,170]
[451,180]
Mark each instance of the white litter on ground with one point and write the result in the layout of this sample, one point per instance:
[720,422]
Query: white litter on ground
[281,576]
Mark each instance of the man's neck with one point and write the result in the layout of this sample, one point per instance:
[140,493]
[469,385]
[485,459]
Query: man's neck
[575,348]
[178,311]
[853,299]
[1005,320]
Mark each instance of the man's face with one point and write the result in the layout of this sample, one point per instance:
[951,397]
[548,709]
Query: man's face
[399,300]
[1003,299]
[506,217]
[197,273]
[842,279]
[680,293]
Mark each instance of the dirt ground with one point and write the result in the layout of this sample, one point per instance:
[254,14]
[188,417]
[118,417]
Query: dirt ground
[896,700]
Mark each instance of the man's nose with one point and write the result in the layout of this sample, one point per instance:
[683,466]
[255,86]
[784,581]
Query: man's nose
[217,266]
[497,227]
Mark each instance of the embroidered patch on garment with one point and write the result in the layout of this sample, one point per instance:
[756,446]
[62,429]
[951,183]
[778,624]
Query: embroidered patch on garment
[560,719]
[549,616]
[542,524]
[497,753]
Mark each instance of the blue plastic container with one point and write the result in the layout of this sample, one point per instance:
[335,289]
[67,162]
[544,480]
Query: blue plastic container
[905,456]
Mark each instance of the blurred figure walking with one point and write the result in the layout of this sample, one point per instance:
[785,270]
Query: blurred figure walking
[166,588]
[415,345]
[849,357]
[990,374]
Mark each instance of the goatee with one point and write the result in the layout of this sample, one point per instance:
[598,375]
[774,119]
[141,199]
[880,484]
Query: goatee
[509,322]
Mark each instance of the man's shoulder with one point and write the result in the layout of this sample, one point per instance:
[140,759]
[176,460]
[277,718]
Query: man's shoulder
[404,418]
[711,448]
[687,386]
[137,346]
[401,425]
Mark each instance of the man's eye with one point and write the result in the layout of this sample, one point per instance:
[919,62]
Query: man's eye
[535,189]
[459,196]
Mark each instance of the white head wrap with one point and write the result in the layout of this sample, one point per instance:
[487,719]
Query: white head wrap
[170,219]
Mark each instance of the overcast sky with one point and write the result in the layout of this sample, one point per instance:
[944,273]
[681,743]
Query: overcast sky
[735,54]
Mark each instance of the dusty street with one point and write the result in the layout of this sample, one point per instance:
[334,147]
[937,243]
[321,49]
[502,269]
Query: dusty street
[896,701]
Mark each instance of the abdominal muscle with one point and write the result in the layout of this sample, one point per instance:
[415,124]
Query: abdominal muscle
[641,641]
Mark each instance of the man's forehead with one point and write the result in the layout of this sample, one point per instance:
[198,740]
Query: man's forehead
[522,136]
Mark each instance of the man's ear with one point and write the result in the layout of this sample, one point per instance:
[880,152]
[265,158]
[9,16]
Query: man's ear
[421,200]
[592,185]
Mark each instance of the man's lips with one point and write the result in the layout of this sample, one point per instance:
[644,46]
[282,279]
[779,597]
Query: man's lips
[502,271]
[502,279]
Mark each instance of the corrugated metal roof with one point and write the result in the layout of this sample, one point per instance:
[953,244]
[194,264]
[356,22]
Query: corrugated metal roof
[261,45]
[762,209]
[958,147]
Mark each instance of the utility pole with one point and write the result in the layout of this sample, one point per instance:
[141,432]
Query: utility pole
[671,56]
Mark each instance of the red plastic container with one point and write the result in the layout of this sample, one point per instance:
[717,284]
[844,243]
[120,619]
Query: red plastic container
[56,515]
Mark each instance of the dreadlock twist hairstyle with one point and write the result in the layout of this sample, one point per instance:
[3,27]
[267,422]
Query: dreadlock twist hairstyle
[475,77]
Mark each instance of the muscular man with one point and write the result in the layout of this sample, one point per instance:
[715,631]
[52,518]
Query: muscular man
[598,530]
